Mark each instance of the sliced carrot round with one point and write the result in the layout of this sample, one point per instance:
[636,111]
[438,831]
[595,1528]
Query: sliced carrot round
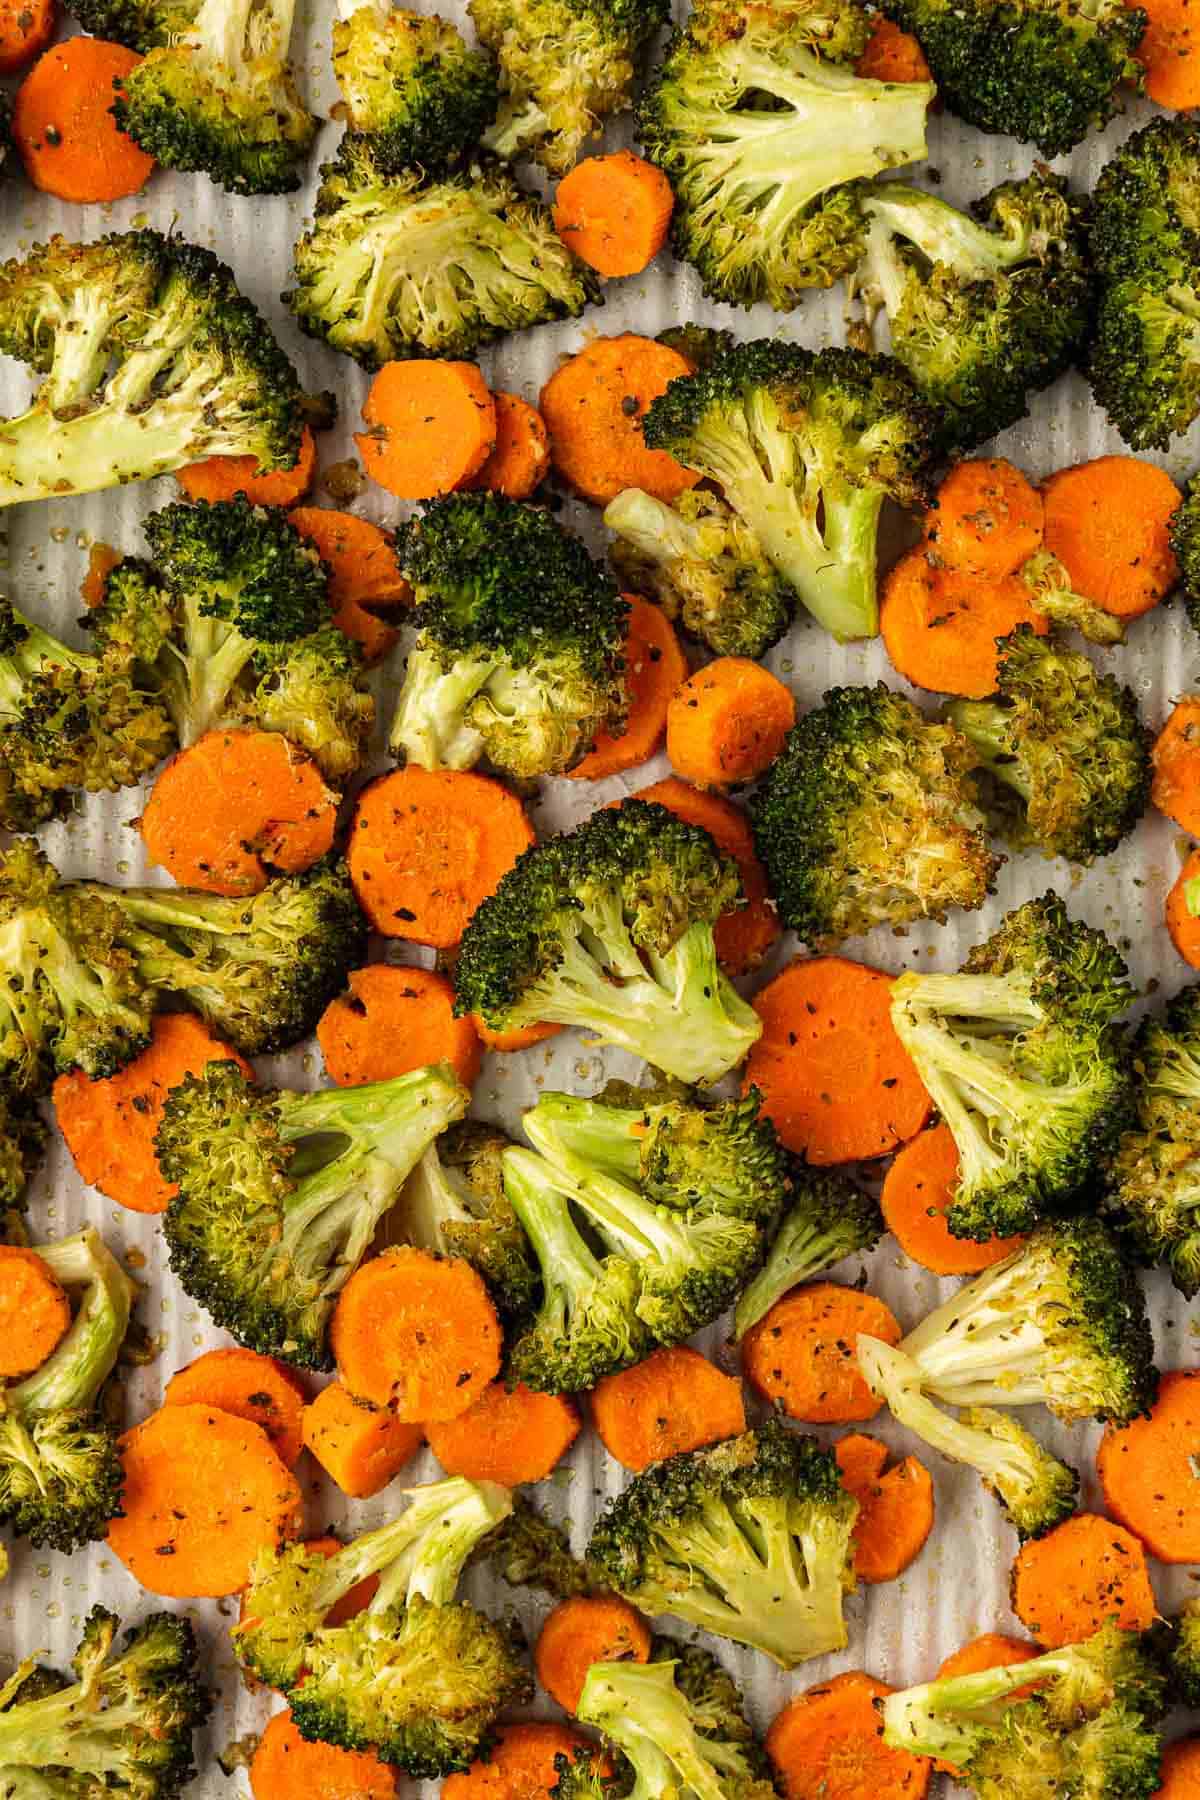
[675,1400]
[918,1191]
[427,846]
[728,723]
[360,1446]
[205,1494]
[988,518]
[587,1629]
[509,1435]
[520,459]
[1147,1470]
[221,477]
[1175,789]
[827,1744]
[614,212]
[940,626]
[63,127]
[1180,1775]
[110,1125]
[35,1313]
[654,668]
[364,576]
[895,1507]
[801,1356]
[1107,521]
[1183,926]
[430,426]
[744,934]
[521,1764]
[250,1387]
[594,405]
[286,1766]
[392,1020]
[26,27]
[835,1079]
[1066,1585]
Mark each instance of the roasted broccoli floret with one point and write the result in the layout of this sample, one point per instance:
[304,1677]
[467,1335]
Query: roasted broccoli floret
[681,1723]
[529,1551]
[262,969]
[519,657]
[1183,1655]
[71,996]
[983,310]
[454,1204]
[1144,363]
[60,1468]
[1185,543]
[418,1677]
[410,83]
[762,127]
[426,263]
[221,98]
[703,566]
[1064,758]
[1155,1177]
[1035,1489]
[867,817]
[750,1539]
[697,344]
[123,1727]
[141,24]
[1060,1323]
[1022,1056]
[1087,1730]
[151,359]
[1050,592]
[279,1193]
[829,1217]
[565,67]
[314,692]
[610,927]
[1048,72]
[23,1138]
[805,446]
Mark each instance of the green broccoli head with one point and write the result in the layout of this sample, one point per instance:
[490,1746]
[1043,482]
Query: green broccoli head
[314,692]
[1064,756]
[983,311]
[828,1218]
[750,1539]
[805,446]
[565,67]
[697,344]
[142,25]
[1023,1058]
[1183,1655]
[704,566]
[428,264]
[122,1727]
[279,1193]
[762,127]
[152,359]
[1185,542]
[1144,363]
[867,817]
[221,99]
[262,969]
[1045,71]
[520,654]
[23,1138]
[1154,1183]
[610,927]
[528,1550]
[454,1204]
[411,84]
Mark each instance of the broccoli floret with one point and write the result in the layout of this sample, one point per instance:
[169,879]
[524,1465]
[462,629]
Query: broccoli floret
[1051,593]
[143,25]
[261,969]
[123,1727]
[60,1468]
[529,1551]
[702,565]
[1036,1490]
[679,1720]
[867,817]
[519,657]
[805,446]
[1144,364]
[610,927]
[314,692]
[829,1217]
[1060,1323]
[71,996]
[1155,1176]
[1183,1655]
[697,344]
[1064,756]
[23,1138]
[279,1193]
[428,264]
[152,359]
[454,1204]
[1185,543]
[418,1677]
[221,98]
[762,127]
[1022,1057]
[410,83]
[565,67]
[1048,72]
[983,310]
[749,1539]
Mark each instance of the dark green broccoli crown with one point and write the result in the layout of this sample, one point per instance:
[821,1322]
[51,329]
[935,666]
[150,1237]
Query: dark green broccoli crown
[529,1551]
[23,1137]
[697,344]
[1185,542]
[1044,71]
[1064,755]
[120,274]
[243,564]
[867,817]
[1183,1655]
[141,24]
[1155,1178]
[1071,971]
[491,573]
[1145,220]
[706,1157]
[490,1238]
[61,1478]
[413,86]
[1112,1345]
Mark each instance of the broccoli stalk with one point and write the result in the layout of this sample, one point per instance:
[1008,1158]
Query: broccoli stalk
[279,1193]
[60,1468]
[411,84]
[829,1218]
[454,1204]
[1035,1489]
[152,358]
[123,1727]
[1155,1179]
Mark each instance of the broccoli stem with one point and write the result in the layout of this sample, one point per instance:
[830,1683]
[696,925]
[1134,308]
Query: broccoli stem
[539,1197]
[803,1248]
[216,656]
[984,724]
[923,1719]
[654,529]
[421,1553]
[44,455]
[73,1374]
[518,123]
[639,1708]
[602,1137]
[430,726]
[984,1345]
[430,1202]
[943,234]
[628,1224]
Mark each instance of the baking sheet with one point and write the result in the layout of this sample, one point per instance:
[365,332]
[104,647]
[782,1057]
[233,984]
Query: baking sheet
[958,1586]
